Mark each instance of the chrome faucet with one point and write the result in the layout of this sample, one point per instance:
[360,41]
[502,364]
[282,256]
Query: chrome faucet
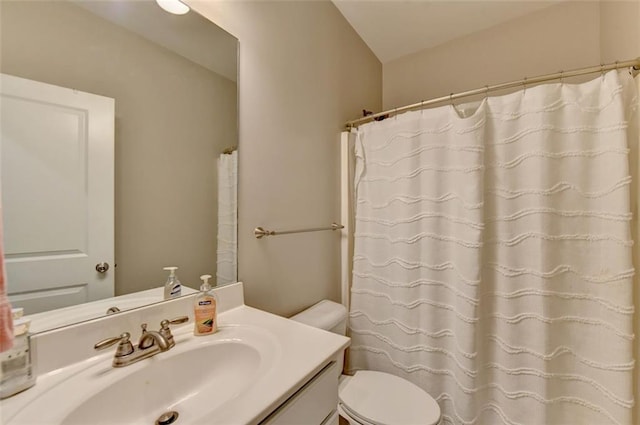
[150,343]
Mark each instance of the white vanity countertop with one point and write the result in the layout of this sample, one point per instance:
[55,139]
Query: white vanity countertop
[306,350]
[299,353]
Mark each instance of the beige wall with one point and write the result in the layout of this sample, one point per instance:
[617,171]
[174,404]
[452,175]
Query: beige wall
[303,73]
[173,118]
[569,35]
[559,37]
[619,30]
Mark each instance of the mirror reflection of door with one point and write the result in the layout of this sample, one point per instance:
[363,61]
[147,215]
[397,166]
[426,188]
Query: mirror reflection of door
[174,81]
[57,158]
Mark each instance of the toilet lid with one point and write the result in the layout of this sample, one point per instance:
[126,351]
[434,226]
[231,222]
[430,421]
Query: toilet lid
[384,399]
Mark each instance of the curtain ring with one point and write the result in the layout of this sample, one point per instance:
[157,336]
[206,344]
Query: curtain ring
[602,71]
[561,77]
[422,107]
[524,85]
[451,98]
[486,91]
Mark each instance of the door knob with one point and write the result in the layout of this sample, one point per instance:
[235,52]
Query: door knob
[102,267]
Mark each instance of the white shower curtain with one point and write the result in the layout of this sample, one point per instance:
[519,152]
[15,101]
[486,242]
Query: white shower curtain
[493,262]
[227,261]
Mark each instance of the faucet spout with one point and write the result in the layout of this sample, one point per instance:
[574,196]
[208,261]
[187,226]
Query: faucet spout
[153,339]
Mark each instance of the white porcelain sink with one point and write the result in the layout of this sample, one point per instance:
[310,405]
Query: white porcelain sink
[194,378]
[206,376]
[256,362]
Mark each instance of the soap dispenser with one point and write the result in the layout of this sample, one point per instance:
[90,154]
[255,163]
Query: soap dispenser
[16,370]
[172,288]
[205,309]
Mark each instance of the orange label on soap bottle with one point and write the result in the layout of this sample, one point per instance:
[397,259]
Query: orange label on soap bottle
[205,317]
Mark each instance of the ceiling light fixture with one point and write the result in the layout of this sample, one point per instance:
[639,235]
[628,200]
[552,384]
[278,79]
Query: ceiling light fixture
[173,6]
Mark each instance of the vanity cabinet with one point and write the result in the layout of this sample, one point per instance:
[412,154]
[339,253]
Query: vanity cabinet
[315,403]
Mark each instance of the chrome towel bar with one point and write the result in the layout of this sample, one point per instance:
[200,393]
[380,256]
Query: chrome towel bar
[259,232]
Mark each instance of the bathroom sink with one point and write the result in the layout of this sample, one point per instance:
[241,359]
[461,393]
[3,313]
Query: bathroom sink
[196,377]
[240,375]
[206,376]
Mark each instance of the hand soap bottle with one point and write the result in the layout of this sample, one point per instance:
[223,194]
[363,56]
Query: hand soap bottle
[172,288]
[205,309]
[16,370]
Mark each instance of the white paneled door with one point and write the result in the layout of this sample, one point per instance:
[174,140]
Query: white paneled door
[57,165]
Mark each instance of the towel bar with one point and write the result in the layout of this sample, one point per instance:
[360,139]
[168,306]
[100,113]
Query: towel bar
[260,232]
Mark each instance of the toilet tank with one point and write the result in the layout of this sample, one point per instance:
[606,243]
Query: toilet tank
[327,315]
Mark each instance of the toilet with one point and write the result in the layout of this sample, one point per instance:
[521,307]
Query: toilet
[369,397]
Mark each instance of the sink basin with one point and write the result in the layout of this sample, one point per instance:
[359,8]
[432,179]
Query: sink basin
[208,376]
[194,378]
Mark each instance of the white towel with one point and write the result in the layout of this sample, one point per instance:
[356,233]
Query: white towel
[227,219]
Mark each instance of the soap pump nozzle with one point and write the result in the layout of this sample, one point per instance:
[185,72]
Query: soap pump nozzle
[205,282]
[172,288]
[172,270]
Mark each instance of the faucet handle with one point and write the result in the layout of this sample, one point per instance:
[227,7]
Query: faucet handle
[124,347]
[174,321]
[165,331]
[100,345]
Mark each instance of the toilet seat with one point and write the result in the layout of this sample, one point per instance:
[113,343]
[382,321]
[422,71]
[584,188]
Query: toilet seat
[379,398]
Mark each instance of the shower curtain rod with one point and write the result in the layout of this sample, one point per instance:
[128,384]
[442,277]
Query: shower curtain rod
[634,63]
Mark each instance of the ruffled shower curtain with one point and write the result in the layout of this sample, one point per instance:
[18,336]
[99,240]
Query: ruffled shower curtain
[493,254]
[227,248]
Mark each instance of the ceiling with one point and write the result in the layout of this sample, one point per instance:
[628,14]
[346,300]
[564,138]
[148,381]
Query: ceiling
[395,28]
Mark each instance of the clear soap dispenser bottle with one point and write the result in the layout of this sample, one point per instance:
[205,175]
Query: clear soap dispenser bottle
[205,309]
[172,288]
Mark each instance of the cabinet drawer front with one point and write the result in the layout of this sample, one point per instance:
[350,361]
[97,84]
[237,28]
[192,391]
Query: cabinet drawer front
[312,404]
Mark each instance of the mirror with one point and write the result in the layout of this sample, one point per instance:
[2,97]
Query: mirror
[173,81]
